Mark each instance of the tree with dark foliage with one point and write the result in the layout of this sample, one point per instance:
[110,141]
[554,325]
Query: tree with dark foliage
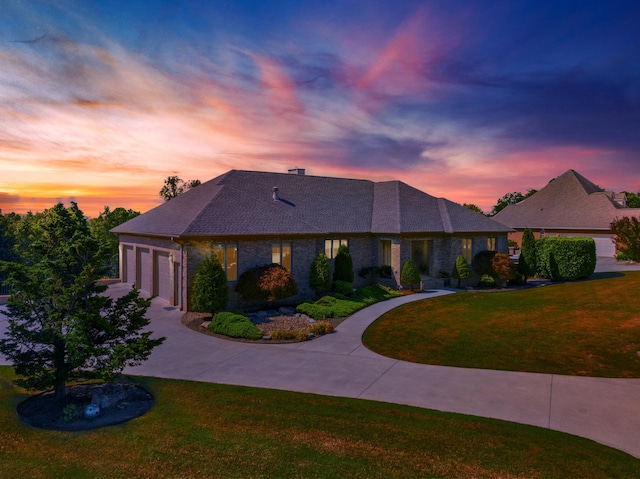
[61,327]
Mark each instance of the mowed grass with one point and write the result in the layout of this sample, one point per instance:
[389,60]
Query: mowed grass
[586,328]
[198,430]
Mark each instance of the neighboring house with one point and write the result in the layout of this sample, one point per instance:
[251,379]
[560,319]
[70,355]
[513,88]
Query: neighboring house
[569,205]
[253,218]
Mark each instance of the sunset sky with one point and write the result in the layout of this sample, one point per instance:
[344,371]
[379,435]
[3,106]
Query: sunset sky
[101,100]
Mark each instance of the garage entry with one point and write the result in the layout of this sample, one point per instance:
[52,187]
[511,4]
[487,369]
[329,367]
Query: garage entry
[129,273]
[604,246]
[145,270]
[162,276]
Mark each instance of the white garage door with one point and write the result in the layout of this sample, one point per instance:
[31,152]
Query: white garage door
[145,270]
[605,246]
[130,265]
[163,276]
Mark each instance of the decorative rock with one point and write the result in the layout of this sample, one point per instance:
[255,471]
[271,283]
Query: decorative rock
[205,324]
[286,311]
[108,396]
[92,411]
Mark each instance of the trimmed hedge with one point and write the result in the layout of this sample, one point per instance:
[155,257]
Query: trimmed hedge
[235,326]
[343,287]
[565,259]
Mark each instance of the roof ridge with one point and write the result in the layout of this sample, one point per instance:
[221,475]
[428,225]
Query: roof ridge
[444,215]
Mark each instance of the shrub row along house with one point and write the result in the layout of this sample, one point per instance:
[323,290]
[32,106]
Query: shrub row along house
[251,218]
[569,205]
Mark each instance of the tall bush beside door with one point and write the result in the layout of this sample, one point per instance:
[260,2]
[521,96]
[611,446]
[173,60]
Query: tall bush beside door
[210,292]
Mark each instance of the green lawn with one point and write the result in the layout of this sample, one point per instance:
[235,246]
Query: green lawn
[586,328]
[206,430]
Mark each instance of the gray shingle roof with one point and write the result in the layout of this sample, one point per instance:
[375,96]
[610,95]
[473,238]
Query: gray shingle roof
[241,203]
[569,201]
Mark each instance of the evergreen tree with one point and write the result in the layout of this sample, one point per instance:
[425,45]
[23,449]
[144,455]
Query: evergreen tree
[461,270]
[343,266]
[320,273]
[101,227]
[61,327]
[528,262]
[409,274]
[210,292]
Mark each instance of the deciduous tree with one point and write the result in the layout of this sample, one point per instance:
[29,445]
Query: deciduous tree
[627,237]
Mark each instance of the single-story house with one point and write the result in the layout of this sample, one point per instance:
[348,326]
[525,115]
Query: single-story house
[569,205]
[250,218]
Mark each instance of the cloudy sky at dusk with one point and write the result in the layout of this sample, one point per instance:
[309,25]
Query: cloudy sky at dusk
[100,100]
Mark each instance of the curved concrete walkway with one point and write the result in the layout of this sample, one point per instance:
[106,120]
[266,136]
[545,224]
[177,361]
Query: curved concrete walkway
[605,410]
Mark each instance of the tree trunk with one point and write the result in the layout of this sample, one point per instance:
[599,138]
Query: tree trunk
[60,370]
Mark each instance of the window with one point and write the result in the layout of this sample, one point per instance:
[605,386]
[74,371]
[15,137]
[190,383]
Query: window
[420,255]
[331,246]
[281,254]
[227,254]
[385,252]
[467,249]
[491,243]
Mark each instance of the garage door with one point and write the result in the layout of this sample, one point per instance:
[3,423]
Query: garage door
[130,265]
[162,280]
[145,270]
[604,246]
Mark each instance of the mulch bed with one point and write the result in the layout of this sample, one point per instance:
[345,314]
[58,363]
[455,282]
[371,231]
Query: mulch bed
[43,411]
[287,323]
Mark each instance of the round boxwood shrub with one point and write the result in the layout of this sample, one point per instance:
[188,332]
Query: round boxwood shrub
[269,282]
[210,292]
[409,274]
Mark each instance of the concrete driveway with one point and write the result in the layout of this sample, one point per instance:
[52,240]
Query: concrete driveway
[605,410]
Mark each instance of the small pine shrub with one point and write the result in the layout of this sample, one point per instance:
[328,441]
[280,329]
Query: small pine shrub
[461,270]
[343,287]
[343,265]
[320,273]
[210,290]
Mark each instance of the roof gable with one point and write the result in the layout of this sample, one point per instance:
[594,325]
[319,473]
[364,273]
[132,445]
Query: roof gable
[569,201]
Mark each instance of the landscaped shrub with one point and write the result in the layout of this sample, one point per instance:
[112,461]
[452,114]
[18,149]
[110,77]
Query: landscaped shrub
[343,265]
[565,259]
[234,325]
[482,262]
[627,231]
[284,335]
[369,272]
[210,291]
[321,327]
[503,266]
[269,282]
[487,281]
[343,287]
[320,273]
[461,270]
[528,262]
[332,307]
[409,274]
